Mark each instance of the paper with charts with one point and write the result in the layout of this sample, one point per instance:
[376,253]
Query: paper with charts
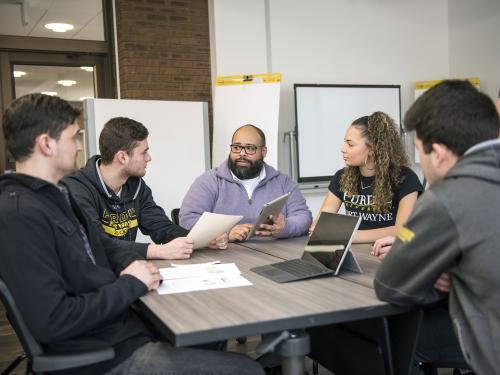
[210,226]
[205,276]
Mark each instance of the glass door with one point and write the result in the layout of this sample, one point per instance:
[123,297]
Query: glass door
[73,77]
[72,83]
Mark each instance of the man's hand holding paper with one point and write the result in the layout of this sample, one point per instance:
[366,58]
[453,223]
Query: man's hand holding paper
[210,229]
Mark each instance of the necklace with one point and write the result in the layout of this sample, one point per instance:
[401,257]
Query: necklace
[364,187]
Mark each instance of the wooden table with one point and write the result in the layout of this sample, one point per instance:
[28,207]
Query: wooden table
[207,316]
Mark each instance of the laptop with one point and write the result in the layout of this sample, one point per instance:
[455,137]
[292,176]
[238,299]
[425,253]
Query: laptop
[328,250]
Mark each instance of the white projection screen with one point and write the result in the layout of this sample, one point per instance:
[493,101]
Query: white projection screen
[324,112]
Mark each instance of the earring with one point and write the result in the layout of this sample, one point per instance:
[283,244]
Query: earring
[366,164]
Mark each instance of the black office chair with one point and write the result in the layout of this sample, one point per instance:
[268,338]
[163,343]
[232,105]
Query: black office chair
[38,361]
[174,215]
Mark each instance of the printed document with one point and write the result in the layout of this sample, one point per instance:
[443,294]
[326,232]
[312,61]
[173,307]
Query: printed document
[188,278]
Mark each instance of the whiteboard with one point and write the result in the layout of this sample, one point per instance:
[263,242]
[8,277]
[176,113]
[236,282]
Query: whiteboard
[323,114]
[252,103]
[178,141]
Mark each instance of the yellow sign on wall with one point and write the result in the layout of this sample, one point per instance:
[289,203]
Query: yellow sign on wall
[246,79]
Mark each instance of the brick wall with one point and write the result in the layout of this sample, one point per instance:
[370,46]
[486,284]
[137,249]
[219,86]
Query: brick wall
[164,50]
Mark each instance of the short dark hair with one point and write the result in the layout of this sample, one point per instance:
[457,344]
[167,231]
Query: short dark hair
[120,134]
[31,115]
[260,132]
[453,113]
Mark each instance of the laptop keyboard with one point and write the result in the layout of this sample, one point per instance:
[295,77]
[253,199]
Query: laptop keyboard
[300,268]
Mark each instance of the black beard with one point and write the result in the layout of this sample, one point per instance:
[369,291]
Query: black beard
[246,173]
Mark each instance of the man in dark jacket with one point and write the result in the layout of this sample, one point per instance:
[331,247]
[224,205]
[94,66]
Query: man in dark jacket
[111,190]
[449,249]
[73,285]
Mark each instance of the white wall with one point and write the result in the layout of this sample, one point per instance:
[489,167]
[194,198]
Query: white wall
[475,42]
[240,36]
[357,42]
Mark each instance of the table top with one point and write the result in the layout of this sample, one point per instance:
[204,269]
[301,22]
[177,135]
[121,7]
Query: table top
[206,316]
[292,248]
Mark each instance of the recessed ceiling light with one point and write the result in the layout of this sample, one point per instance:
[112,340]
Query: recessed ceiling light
[51,93]
[19,73]
[66,82]
[59,27]
[87,68]
[86,97]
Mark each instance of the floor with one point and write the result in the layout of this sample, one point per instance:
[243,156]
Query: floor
[10,348]
[9,345]
[253,341]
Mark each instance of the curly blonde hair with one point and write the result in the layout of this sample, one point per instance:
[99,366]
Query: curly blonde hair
[389,157]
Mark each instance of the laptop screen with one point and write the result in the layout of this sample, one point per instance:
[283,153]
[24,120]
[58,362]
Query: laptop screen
[331,237]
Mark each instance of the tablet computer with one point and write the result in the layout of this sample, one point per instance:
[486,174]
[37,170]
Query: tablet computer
[270,208]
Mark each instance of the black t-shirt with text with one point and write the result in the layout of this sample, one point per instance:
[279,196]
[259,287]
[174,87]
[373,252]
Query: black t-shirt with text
[361,204]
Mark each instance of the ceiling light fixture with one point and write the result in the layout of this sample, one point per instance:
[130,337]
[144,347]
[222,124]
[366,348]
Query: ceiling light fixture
[51,93]
[19,73]
[66,82]
[59,27]
[87,68]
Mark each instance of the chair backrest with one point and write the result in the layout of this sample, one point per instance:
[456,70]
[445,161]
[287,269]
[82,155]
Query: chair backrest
[30,346]
[175,215]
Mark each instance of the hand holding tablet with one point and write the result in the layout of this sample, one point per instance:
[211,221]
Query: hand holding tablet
[270,209]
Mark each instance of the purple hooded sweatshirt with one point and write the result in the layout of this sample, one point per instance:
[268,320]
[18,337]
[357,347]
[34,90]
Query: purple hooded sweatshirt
[216,191]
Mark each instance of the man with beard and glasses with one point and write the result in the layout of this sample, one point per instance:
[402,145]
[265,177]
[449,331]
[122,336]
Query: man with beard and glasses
[241,185]
[111,190]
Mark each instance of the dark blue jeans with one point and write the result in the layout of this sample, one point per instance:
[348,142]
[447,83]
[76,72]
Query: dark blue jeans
[161,359]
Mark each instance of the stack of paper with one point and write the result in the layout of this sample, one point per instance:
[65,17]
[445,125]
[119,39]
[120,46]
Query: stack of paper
[205,276]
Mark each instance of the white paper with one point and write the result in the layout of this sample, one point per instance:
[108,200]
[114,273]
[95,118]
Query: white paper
[196,264]
[210,226]
[199,270]
[202,283]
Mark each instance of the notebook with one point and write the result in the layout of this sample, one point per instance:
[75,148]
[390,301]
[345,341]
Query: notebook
[328,250]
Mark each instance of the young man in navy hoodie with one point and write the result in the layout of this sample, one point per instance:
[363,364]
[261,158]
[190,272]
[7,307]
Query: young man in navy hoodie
[74,286]
[111,190]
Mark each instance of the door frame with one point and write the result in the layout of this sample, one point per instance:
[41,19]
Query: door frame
[16,50]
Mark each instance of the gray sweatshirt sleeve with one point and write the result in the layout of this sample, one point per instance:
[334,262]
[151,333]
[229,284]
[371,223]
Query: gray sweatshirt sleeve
[425,248]
[200,197]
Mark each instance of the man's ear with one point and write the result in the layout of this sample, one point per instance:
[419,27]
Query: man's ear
[440,154]
[264,151]
[121,156]
[45,144]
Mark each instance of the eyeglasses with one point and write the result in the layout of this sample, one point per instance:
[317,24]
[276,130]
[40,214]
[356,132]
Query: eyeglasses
[249,149]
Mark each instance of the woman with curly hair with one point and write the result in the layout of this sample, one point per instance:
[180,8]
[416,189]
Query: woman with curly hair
[376,182]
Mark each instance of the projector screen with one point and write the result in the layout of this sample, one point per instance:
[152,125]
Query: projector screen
[323,114]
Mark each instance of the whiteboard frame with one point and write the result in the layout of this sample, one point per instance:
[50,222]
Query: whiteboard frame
[326,178]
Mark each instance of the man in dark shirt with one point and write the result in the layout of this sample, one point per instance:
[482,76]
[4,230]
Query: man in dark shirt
[111,190]
[73,285]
